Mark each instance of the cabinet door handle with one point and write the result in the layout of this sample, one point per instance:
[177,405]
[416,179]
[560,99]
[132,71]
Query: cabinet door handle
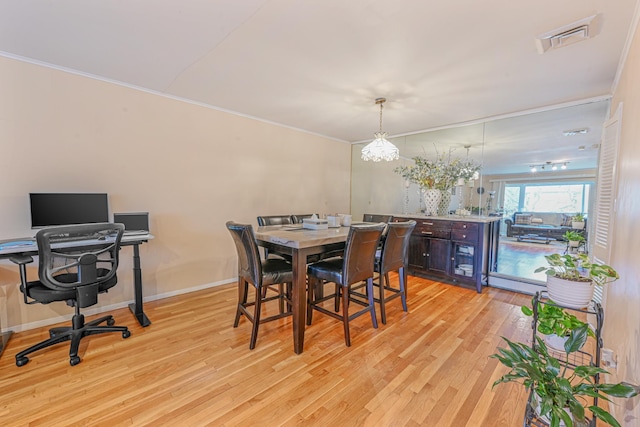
[425,254]
[427,232]
[464,226]
[464,236]
[427,223]
[453,259]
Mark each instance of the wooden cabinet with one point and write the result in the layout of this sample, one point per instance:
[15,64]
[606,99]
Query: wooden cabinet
[454,251]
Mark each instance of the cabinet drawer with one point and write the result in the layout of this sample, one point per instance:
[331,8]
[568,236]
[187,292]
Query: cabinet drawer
[433,228]
[465,235]
[469,226]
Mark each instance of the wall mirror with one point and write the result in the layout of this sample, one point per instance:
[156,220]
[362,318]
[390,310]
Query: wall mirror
[562,144]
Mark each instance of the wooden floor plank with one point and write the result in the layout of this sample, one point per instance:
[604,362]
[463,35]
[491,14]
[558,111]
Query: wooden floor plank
[428,366]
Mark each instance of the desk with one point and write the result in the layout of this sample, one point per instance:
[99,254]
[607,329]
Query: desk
[31,248]
[300,243]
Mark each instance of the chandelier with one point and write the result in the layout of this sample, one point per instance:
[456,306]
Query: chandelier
[380,148]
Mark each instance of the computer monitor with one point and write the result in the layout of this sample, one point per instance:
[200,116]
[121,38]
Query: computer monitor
[50,209]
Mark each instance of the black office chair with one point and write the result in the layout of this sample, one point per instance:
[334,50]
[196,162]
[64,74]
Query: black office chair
[356,265]
[260,274]
[75,273]
[393,257]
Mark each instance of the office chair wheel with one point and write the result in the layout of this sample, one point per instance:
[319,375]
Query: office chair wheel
[111,322]
[126,334]
[21,361]
[74,360]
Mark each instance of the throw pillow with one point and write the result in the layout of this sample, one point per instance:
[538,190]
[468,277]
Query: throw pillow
[523,218]
[536,220]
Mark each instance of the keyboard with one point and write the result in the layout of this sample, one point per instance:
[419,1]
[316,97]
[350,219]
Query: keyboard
[61,238]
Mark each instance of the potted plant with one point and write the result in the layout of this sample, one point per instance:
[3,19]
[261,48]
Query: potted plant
[577,221]
[559,394]
[571,277]
[574,238]
[556,324]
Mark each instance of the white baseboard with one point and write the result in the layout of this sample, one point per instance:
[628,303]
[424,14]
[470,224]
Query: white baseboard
[529,287]
[111,307]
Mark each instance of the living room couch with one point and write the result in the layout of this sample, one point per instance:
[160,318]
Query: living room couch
[548,224]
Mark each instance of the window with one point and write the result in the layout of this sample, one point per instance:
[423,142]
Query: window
[567,198]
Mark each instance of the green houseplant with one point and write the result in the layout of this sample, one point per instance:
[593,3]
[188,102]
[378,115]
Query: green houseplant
[573,237]
[561,393]
[577,221]
[570,278]
[557,324]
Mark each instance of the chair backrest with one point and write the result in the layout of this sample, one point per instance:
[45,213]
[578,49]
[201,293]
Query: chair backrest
[75,265]
[249,262]
[274,220]
[376,218]
[360,252]
[297,219]
[396,245]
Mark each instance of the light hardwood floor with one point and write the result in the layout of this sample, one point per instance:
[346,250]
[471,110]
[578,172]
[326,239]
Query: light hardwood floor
[190,367]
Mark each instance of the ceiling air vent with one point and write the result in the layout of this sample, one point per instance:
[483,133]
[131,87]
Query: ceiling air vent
[569,34]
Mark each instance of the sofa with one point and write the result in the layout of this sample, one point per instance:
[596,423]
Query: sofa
[549,225]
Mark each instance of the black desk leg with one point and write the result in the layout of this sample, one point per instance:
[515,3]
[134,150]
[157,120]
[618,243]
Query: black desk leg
[137,308]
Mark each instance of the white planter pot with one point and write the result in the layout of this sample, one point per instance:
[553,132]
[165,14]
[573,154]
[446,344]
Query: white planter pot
[574,243]
[536,407]
[431,201]
[556,342]
[569,293]
[577,225]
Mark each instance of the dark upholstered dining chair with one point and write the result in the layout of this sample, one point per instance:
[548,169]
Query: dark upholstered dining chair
[260,274]
[376,218]
[393,257]
[75,274]
[297,218]
[275,220]
[356,266]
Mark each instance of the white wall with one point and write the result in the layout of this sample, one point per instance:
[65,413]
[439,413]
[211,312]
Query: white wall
[193,168]
[622,311]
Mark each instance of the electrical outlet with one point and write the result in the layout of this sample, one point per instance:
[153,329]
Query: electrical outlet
[609,358]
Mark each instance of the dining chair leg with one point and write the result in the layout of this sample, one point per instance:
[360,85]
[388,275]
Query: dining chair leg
[384,281]
[372,307]
[345,316]
[402,277]
[256,319]
[243,288]
[289,295]
[281,297]
[311,293]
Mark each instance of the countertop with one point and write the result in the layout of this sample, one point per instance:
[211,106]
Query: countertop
[465,218]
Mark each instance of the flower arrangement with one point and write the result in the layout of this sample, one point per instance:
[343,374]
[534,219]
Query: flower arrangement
[442,173]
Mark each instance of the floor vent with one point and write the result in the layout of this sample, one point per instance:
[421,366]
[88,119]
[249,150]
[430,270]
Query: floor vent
[575,32]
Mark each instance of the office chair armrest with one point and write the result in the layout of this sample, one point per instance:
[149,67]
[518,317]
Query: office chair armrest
[22,261]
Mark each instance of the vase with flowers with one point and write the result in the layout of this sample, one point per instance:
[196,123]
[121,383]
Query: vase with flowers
[437,177]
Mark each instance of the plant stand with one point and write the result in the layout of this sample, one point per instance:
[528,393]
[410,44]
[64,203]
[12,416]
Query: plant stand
[577,358]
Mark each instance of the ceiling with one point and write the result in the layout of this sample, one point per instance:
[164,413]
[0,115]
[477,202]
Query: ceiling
[318,65]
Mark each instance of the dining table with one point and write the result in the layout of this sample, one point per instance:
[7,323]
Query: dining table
[300,243]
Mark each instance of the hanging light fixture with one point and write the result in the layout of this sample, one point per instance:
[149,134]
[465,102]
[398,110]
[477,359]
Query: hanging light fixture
[380,148]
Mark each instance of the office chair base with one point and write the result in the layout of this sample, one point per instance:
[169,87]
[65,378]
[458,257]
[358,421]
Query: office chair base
[74,334]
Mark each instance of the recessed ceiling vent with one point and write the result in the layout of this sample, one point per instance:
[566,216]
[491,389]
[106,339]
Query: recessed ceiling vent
[575,32]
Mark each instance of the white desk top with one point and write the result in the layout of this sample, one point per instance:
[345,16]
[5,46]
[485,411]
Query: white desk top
[28,244]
